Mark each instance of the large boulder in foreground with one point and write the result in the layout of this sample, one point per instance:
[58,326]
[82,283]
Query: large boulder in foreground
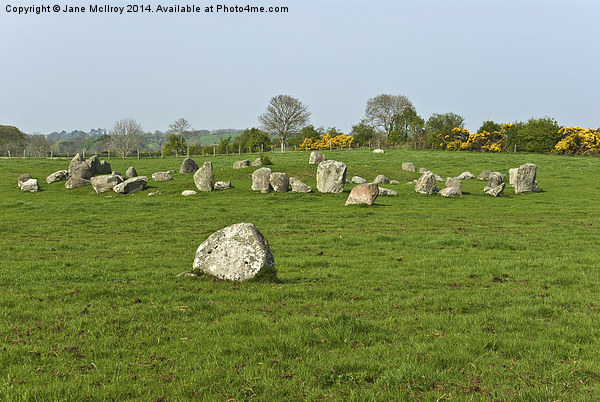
[260,180]
[363,194]
[426,184]
[132,185]
[331,177]
[236,253]
[316,157]
[525,180]
[188,166]
[104,183]
[205,178]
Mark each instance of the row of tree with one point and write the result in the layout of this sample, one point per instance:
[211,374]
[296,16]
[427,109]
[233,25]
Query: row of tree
[389,120]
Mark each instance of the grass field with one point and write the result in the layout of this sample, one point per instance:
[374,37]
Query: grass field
[417,297]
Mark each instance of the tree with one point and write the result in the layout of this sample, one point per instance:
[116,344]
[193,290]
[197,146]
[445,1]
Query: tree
[284,116]
[536,135]
[406,125]
[12,140]
[489,126]
[251,139]
[175,145]
[126,136]
[39,145]
[181,127]
[441,124]
[223,146]
[362,133]
[306,132]
[382,109]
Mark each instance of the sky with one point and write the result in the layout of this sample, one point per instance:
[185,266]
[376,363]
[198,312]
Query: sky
[505,61]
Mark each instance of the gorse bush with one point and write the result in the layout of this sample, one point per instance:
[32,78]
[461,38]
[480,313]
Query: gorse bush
[462,140]
[326,141]
[578,141]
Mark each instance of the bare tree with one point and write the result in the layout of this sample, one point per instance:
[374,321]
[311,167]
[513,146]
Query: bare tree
[39,145]
[284,116]
[382,109]
[180,127]
[126,136]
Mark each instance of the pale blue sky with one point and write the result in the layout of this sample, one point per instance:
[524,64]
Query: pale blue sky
[487,59]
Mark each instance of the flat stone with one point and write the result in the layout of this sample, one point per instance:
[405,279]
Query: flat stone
[466,175]
[387,192]
[22,179]
[186,193]
[104,183]
[132,185]
[484,175]
[256,162]
[57,176]
[358,180]
[450,192]
[222,185]
[161,176]
[394,182]
[298,186]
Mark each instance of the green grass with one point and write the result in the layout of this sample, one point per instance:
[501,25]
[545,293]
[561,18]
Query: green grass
[213,139]
[417,297]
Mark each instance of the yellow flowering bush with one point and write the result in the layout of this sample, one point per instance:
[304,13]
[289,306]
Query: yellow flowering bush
[462,140]
[327,142]
[578,141]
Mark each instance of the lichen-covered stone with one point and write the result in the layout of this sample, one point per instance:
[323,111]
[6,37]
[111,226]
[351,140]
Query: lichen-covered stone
[363,194]
[331,177]
[260,180]
[204,178]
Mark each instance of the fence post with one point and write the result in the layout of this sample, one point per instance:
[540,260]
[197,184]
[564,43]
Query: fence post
[138,153]
[24,154]
[214,151]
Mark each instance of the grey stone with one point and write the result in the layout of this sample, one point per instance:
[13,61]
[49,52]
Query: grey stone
[454,182]
[394,182]
[485,175]
[132,185]
[30,185]
[104,168]
[426,184]
[423,170]
[260,180]
[79,168]
[363,194]
[22,179]
[316,157]
[512,175]
[222,185]
[237,253]
[331,177]
[378,151]
[188,166]
[298,186]
[57,176]
[387,192]
[381,179]
[466,175]
[280,182]
[358,180]
[94,163]
[494,181]
[256,162]
[104,183]
[409,166]
[496,191]
[185,193]
[74,182]
[450,192]
[161,176]
[241,164]
[205,178]
[526,179]
[131,172]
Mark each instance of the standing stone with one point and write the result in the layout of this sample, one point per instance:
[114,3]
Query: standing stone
[75,182]
[30,185]
[426,184]
[526,179]
[387,192]
[257,162]
[188,166]
[104,168]
[512,175]
[495,180]
[358,180]
[409,166]
[94,163]
[22,179]
[161,176]
[204,177]
[331,177]
[279,182]
[378,151]
[485,175]
[298,186]
[222,185]
[57,176]
[363,194]
[496,191]
[104,183]
[131,172]
[466,175]
[455,182]
[260,180]
[79,168]
[236,253]
[241,164]
[381,179]
[132,185]
[316,157]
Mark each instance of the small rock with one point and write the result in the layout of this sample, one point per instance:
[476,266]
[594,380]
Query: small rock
[394,182]
[57,176]
[185,193]
[161,176]
[154,193]
[485,175]
[466,175]
[358,180]
[132,185]
[22,179]
[496,191]
[387,192]
[450,192]
[423,170]
[222,185]
[494,181]
[30,185]
[316,157]
[131,172]
[426,184]
[74,182]
[378,151]
[381,179]
[298,186]
[363,194]
[188,166]
[241,164]
[409,166]
[256,162]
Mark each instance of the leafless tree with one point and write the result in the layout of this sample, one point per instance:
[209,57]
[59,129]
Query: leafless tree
[39,145]
[126,136]
[284,116]
[381,110]
[180,127]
